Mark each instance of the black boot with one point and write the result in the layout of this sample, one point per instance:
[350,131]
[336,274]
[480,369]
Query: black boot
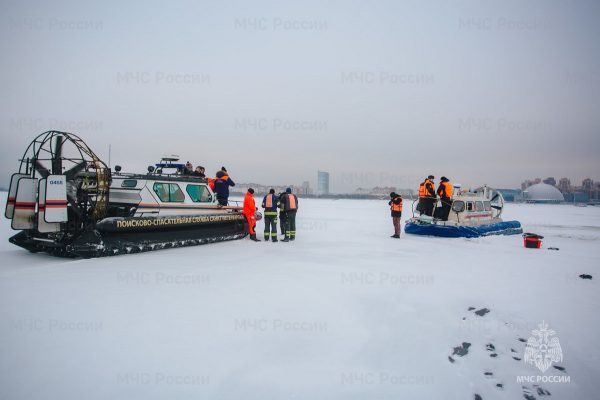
[253,237]
[395,236]
[274,239]
[286,239]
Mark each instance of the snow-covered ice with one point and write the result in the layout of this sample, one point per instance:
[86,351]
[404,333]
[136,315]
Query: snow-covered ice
[344,312]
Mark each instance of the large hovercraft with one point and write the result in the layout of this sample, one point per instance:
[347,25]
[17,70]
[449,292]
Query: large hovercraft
[472,214]
[67,202]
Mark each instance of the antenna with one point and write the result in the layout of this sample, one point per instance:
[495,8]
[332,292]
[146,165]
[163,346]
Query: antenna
[109,151]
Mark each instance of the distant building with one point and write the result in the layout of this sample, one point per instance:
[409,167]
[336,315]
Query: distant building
[511,194]
[322,183]
[550,181]
[542,193]
[564,185]
[526,184]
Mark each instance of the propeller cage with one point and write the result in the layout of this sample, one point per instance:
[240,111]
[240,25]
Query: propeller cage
[87,177]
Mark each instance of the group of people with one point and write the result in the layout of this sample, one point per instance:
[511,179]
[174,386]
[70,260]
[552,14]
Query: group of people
[428,198]
[189,170]
[286,203]
[219,184]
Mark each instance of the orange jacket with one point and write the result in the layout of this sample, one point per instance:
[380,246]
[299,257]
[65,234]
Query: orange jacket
[249,205]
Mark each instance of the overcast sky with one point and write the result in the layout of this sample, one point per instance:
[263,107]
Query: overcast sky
[375,92]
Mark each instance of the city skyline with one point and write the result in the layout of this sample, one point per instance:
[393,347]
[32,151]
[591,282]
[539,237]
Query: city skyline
[483,93]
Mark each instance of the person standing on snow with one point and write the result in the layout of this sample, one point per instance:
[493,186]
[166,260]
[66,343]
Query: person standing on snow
[445,191]
[270,203]
[290,207]
[396,208]
[222,183]
[250,213]
[427,197]
[282,220]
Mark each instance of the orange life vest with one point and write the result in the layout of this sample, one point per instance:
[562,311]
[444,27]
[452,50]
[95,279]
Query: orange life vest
[292,202]
[269,201]
[448,190]
[423,192]
[396,207]
[211,183]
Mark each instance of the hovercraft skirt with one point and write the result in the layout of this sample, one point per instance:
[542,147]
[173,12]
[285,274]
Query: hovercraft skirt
[498,228]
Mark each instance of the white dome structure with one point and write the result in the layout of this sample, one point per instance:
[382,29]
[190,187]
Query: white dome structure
[543,193]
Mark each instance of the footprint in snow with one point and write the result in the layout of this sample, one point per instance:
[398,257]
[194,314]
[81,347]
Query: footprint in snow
[482,312]
[461,350]
[529,394]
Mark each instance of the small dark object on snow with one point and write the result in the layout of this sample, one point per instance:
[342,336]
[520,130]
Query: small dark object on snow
[471,308]
[553,248]
[482,312]
[488,374]
[478,397]
[490,347]
[499,386]
[522,340]
[462,350]
[493,355]
[558,367]
[516,359]
[542,392]
[585,276]
[451,359]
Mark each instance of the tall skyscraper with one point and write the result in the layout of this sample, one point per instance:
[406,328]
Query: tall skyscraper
[322,183]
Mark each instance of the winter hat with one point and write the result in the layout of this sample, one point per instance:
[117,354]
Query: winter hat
[272,191]
[393,194]
[251,191]
[444,179]
[431,177]
[288,190]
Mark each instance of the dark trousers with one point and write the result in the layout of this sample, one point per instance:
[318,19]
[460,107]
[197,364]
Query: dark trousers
[283,222]
[290,224]
[396,221]
[426,205]
[445,209]
[222,201]
[271,227]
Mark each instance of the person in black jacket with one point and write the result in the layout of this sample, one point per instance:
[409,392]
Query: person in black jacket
[199,172]
[222,183]
[396,209]
[282,220]
[290,207]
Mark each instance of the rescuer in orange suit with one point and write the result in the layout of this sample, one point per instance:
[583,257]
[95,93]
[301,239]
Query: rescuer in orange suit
[396,208]
[427,197]
[445,191]
[250,213]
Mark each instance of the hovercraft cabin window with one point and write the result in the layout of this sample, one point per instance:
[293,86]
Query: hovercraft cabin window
[129,183]
[199,193]
[169,192]
[479,205]
[487,205]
